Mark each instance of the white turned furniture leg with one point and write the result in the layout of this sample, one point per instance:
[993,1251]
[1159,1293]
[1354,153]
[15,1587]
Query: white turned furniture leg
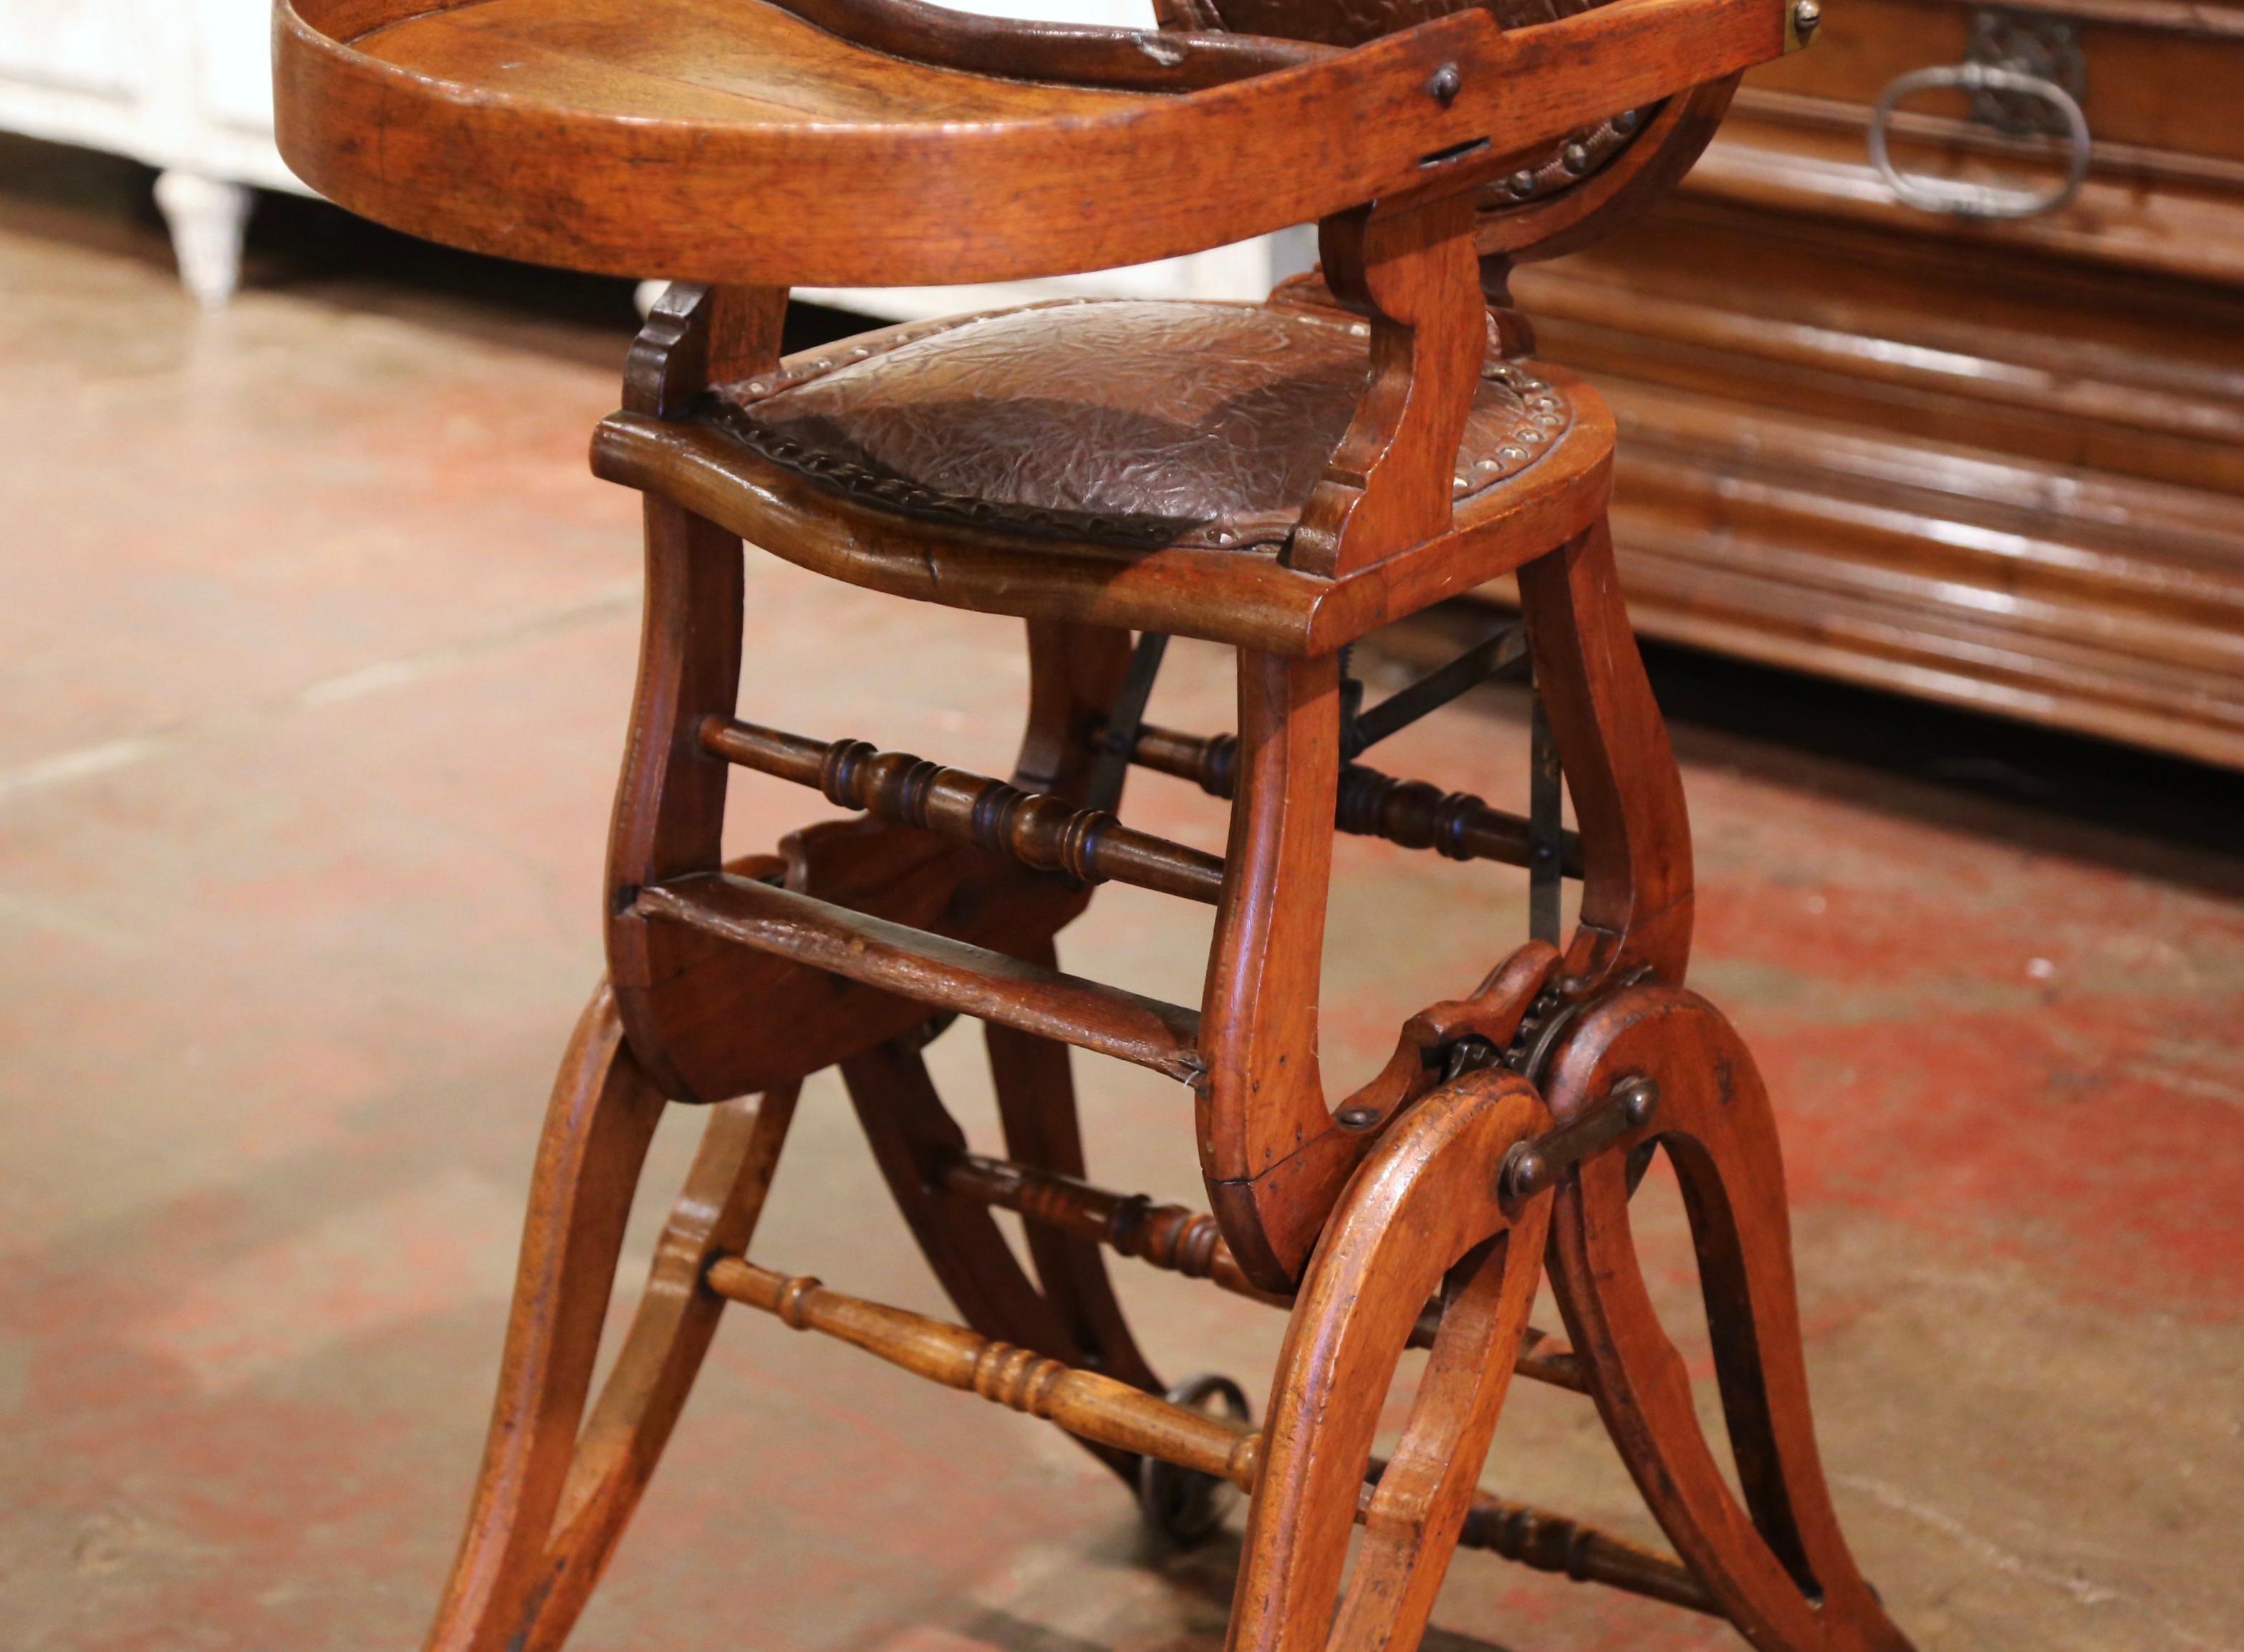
[208,217]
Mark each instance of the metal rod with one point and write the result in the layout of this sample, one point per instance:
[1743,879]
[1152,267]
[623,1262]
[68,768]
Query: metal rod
[1531,1167]
[1112,768]
[1547,848]
[1468,671]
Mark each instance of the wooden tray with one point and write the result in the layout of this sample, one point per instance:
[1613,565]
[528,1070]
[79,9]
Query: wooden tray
[735,140]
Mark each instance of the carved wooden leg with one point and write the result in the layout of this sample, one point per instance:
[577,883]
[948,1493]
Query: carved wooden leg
[1779,1566]
[1272,1156]
[1422,1213]
[1627,793]
[549,1506]
[670,1334]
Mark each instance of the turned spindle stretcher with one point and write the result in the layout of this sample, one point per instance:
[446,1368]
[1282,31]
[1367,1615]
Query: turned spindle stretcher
[1282,478]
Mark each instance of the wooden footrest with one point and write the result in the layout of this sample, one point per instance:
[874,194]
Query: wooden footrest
[933,969]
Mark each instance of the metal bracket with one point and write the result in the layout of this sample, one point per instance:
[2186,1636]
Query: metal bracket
[1119,743]
[1545,829]
[1531,1167]
[1503,652]
[2047,49]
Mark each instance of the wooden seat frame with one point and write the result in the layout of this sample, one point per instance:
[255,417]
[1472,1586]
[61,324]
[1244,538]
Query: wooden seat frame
[1505,1135]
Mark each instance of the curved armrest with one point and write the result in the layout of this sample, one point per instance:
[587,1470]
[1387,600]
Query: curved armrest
[737,143]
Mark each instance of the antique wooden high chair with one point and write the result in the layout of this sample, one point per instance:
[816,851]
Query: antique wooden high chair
[1282,478]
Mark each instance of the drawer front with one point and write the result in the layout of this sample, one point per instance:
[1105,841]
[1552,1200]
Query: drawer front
[2157,77]
[2146,173]
[1982,473]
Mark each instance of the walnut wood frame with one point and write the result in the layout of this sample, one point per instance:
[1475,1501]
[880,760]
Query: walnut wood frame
[852,932]
[1503,1135]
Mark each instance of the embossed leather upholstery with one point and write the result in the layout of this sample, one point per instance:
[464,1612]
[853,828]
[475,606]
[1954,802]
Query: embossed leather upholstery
[1118,421]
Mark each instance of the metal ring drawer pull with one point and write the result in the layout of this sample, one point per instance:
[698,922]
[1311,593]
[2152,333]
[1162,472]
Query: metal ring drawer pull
[1979,200]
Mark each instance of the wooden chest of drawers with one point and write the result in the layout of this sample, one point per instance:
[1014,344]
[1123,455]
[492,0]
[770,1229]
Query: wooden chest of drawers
[1998,462]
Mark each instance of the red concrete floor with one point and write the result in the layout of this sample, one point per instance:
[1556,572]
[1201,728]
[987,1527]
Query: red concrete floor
[315,639]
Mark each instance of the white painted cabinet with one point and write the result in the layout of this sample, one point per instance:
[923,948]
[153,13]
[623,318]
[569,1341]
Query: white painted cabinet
[186,86]
[1242,272]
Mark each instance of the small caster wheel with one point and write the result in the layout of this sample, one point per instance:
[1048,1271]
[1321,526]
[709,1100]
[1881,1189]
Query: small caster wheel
[1183,1505]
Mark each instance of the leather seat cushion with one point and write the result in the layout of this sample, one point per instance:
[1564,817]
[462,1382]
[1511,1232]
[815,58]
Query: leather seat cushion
[1121,421]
